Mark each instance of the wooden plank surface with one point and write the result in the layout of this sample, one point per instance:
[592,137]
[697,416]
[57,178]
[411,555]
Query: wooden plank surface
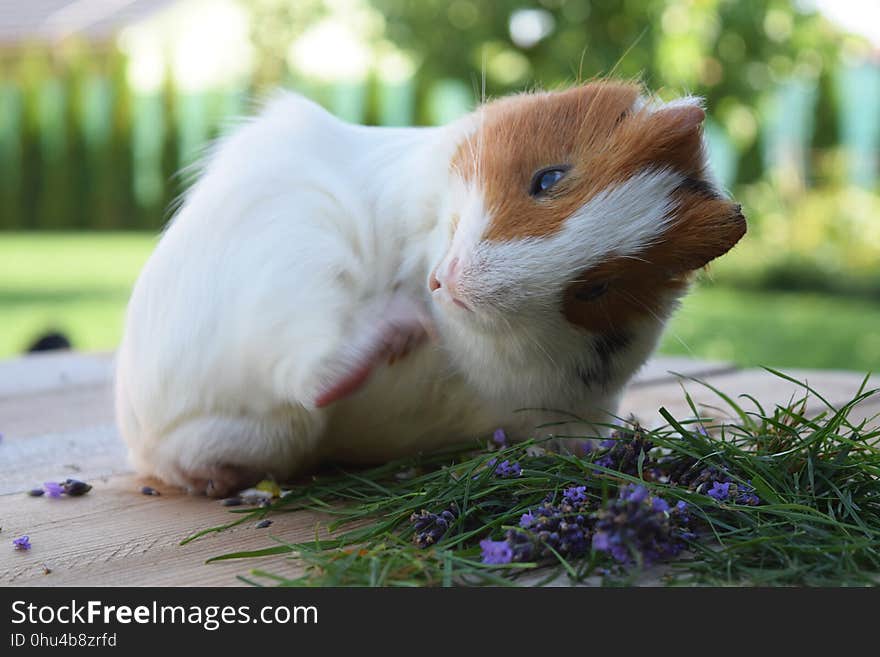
[115,536]
[56,415]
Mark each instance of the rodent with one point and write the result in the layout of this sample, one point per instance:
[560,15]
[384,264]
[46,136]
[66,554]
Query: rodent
[334,292]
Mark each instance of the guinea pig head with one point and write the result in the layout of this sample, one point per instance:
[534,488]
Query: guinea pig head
[593,205]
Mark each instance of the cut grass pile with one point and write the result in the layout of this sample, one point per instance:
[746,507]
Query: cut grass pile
[772,498]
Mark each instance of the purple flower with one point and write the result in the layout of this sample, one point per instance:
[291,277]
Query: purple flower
[575,495]
[499,438]
[508,469]
[713,481]
[526,520]
[659,504]
[633,493]
[565,529]
[496,552]
[53,489]
[720,491]
[637,524]
[584,447]
[22,543]
[623,450]
[431,527]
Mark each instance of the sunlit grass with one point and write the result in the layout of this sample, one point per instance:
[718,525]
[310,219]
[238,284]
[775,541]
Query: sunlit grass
[780,329]
[74,282]
[80,282]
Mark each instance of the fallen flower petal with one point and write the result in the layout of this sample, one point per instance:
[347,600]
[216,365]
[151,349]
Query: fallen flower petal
[53,489]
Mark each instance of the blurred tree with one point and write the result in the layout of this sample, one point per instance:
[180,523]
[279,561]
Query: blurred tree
[275,24]
[733,53]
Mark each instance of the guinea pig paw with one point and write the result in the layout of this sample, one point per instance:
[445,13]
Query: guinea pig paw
[386,339]
[217,480]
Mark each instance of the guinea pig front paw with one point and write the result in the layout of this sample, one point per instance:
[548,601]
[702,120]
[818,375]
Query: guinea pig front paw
[386,333]
[217,480]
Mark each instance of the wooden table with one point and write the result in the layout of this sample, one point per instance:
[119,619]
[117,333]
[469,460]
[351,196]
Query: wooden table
[56,416]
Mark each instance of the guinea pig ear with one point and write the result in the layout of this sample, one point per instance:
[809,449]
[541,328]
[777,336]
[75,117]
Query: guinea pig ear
[684,115]
[704,226]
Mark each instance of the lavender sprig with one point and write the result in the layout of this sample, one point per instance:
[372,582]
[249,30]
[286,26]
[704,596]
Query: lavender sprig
[431,527]
[639,525]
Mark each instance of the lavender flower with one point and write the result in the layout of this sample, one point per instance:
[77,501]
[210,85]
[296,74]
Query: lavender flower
[496,552]
[746,495]
[564,528]
[499,438]
[526,520]
[623,450]
[507,469]
[720,491]
[637,524]
[53,489]
[22,543]
[716,482]
[575,495]
[431,527]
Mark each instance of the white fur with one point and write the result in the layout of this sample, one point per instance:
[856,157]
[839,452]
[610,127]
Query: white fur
[301,230]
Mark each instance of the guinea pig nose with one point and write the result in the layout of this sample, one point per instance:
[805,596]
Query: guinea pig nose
[433,283]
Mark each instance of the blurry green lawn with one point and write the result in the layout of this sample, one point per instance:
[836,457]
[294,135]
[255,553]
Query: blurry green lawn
[79,283]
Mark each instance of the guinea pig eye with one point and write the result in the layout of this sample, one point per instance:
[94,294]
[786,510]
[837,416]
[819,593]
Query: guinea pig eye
[591,292]
[546,178]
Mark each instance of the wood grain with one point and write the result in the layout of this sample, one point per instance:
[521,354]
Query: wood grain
[115,536]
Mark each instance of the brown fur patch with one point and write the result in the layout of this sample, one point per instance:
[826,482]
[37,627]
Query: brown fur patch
[591,129]
[594,130]
[703,228]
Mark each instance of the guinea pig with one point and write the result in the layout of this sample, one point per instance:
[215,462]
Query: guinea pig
[333,292]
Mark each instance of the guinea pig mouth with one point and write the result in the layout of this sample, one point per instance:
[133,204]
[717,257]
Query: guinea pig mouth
[444,295]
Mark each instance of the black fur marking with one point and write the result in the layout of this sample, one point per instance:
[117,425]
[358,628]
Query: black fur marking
[592,292]
[605,346]
[699,187]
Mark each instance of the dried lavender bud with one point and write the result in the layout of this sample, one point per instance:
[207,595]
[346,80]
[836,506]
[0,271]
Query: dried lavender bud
[232,501]
[507,469]
[148,490]
[431,527]
[53,489]
[75,488]
[263,524]
[623,450]
[716,482]
[565,528]
[637,523]
[36,492]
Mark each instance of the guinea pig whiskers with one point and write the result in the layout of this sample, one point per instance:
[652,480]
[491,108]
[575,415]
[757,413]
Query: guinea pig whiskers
[651,312]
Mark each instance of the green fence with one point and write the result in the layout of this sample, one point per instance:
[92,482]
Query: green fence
[79,149]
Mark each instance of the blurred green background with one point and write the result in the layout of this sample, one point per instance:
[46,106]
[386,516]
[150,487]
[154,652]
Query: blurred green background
[102,104]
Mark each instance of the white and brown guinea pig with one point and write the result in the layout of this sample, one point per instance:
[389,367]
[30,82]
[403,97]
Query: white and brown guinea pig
[337,292]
